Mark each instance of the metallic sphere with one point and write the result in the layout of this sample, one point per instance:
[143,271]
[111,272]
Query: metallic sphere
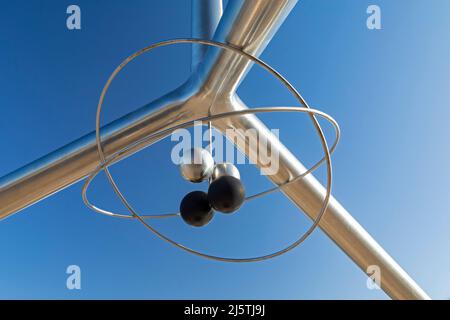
[195,209]
[196,165]
[226,194]
[225,169]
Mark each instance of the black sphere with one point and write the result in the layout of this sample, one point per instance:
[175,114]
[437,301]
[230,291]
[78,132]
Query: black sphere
[226,194]
[195,209]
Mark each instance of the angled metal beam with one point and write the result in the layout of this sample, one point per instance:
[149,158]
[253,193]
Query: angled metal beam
[308,195]
[249,24]
[73,162]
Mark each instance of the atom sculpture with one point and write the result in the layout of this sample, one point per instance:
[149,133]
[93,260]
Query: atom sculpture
[226,192]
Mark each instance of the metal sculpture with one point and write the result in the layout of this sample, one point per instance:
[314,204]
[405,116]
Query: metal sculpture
[247,26]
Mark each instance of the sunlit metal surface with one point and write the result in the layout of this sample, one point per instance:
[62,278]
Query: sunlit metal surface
[250,25]
[225,169]
[205,15]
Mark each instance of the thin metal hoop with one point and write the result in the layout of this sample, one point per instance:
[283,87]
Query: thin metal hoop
[327,151]
[167,131]
[118,154]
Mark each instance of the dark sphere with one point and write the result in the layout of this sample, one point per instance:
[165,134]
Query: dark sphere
[226,194]
[195,209]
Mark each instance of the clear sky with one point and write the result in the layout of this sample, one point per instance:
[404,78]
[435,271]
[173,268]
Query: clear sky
[388,88]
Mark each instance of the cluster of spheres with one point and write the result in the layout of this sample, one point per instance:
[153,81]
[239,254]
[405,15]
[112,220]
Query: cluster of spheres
[225,194]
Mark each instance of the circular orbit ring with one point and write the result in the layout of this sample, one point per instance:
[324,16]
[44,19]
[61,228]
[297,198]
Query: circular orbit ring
[306,109]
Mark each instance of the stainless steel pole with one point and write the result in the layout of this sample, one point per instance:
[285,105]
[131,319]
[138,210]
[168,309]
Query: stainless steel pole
[73,162]
[308,195]
[249,24]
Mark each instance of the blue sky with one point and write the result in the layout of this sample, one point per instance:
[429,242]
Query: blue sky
[387,88]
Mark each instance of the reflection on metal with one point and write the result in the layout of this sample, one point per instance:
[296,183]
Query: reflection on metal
[249,25]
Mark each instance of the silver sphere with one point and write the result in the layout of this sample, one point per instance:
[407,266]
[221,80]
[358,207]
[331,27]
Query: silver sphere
[196,165]
[225,169]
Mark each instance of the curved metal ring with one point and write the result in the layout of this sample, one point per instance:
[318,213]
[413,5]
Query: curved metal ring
[167,131]
[104,163]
